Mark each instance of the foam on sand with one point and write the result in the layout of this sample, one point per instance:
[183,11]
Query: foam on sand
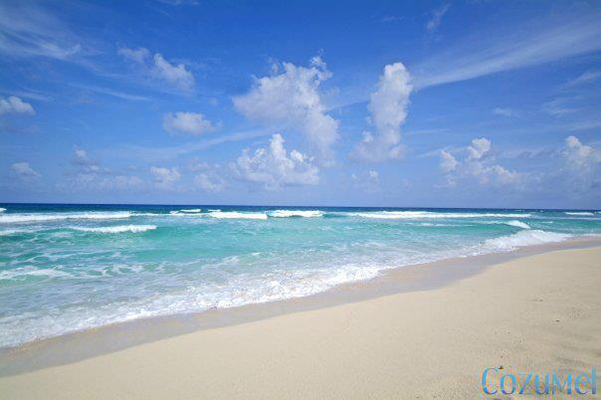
[12,218]
[237,215]
[117,229]
[295,213]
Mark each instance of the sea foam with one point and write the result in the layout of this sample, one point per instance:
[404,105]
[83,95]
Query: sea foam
[579,213]
[237,215]
[525,238]
[295,213]
[518,224]
[12,218]
[117,229]
[428,214]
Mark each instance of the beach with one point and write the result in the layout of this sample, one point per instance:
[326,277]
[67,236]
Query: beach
[537,314]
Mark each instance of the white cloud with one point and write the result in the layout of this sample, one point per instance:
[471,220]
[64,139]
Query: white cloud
[187,123]
[14,105]
[28,30]
[483,169]
[478,149]
[157,67]
[524,46]
[580,158]
[559,106]
[436,18]
[291,100]
[388,109]
[208,184]
[586,77]
[448,162]
[273,168]
[505,112]
[24,171]
[165,178]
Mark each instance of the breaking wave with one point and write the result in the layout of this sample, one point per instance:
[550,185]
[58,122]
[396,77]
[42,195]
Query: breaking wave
[525,238]
[237,215]
[429,214]
[12,218]
[295,213]
[117,229]
[579,213]
[518,224]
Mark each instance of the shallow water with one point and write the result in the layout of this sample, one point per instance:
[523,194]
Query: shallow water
[65,268]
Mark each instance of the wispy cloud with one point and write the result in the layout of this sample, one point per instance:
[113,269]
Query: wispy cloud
[587,77]
[168,153]
[27,30]
[476,57]
[436,17]
[113,93]
[505,112]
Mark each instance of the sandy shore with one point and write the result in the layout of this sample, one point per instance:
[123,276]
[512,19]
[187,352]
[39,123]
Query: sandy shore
[534,314]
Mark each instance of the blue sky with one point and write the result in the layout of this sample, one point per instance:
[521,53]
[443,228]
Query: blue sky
[437,104]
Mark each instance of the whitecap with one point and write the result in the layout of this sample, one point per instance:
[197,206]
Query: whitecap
[12,218]
[191,210]
[518,224]
[117,229]
[295,213]
[579,213]
[237,215]
[430,214]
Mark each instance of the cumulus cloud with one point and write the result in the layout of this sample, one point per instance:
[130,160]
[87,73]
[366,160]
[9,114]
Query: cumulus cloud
[157,67]
[580,157]
[436,17]
[273,168]
[165,178]
[291,100]
[14,105]
[582,163]
[478,149]
[448,162]
[188,123]
[24,171]
[476,164]
[388,110]
[209,184]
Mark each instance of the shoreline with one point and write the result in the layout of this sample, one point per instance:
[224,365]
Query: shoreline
[534,314]
[81,345]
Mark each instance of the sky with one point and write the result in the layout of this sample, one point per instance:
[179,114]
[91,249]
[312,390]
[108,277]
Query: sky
[314,103]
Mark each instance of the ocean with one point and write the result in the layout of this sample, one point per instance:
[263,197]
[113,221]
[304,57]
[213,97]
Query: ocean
[65,268]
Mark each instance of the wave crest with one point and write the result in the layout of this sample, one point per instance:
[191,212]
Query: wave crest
[12,218]
[525,238]
[237,215]
[295,213]
[117,229]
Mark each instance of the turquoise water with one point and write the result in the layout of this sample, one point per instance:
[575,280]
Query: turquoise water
[65,268]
